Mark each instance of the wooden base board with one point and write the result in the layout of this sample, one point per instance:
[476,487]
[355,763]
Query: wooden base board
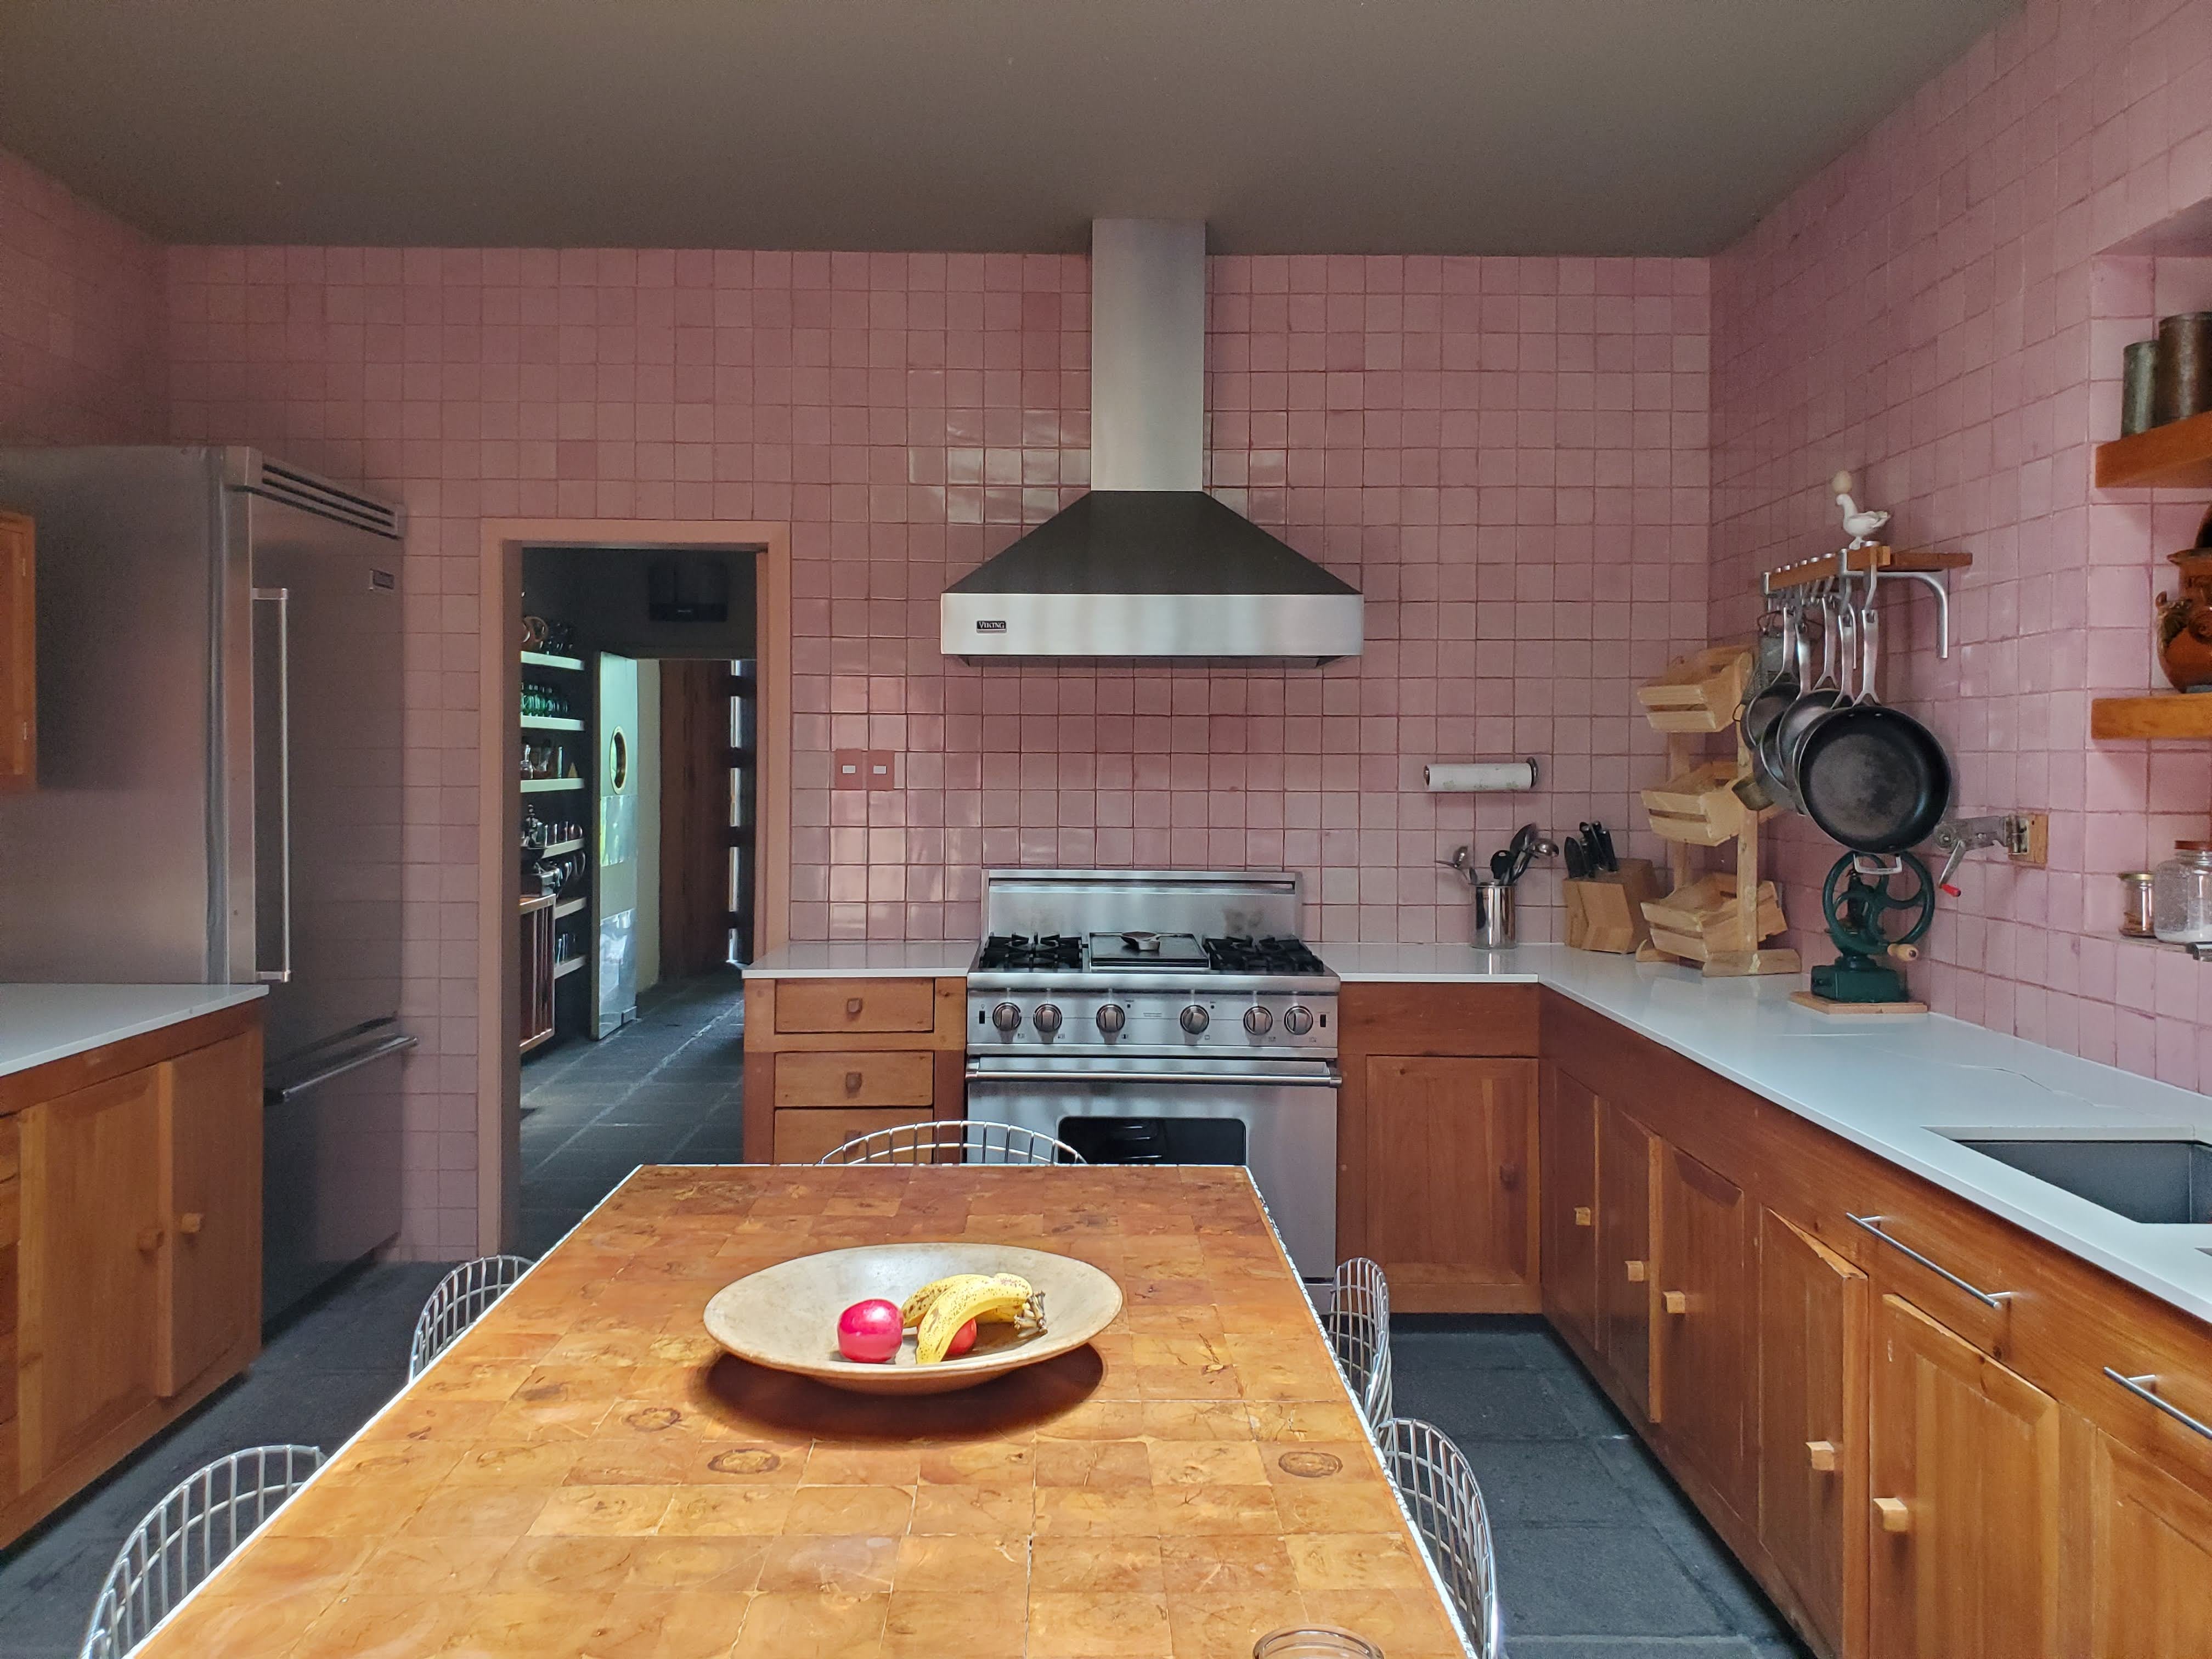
[1858,1010]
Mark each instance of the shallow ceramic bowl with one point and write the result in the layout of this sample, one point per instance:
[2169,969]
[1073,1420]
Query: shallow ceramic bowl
[785,1317]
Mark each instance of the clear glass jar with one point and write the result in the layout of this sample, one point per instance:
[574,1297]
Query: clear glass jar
[2181,895]
[1314,1641]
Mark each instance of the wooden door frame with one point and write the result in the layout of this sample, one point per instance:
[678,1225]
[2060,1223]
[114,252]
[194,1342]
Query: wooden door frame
[499,820]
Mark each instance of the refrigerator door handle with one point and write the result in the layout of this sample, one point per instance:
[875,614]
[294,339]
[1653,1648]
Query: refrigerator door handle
[352,1062]
[282,974]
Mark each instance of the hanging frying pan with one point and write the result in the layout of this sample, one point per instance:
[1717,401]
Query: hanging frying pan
[1838,637]
[1874,778]
[1766,704]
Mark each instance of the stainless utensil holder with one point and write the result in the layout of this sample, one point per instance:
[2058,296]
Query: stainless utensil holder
[1492,918]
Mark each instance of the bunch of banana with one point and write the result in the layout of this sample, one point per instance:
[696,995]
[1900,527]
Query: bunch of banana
[943,1306]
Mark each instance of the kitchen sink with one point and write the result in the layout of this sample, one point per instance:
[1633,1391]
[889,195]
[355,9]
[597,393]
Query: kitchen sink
[2165,1182]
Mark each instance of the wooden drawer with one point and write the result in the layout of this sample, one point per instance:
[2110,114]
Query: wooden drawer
[804,1135]
[804,1006]
[858,1079]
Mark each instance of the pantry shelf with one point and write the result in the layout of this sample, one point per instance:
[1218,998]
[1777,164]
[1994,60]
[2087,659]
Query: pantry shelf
[2162,715]
[2178,455]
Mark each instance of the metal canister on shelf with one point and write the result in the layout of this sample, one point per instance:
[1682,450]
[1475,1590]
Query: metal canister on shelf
[2139,367]
[2134,903]
[2181,381]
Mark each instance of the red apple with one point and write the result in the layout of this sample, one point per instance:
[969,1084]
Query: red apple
[869,1332]
[962,1340]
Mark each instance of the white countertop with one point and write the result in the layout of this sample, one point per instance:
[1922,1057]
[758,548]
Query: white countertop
[935,958]
[43,1023]
[1898,1088]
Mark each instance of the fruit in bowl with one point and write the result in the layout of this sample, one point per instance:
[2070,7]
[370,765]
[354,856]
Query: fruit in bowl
[869,1333]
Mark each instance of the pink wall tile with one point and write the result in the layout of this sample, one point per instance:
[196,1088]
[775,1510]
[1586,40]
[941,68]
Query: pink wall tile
[81,318]
[1930,312]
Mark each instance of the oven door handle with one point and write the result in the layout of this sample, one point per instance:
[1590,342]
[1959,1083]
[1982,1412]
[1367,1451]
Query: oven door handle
[1331,1078]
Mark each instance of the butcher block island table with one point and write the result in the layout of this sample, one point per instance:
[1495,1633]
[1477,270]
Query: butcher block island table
[585,1473]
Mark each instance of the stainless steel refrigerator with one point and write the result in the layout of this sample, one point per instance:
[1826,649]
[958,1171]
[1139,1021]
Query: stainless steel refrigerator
[219,792]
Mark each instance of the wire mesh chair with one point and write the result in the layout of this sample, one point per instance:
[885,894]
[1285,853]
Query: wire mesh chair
[1359,1325]
[1437,1487]
[956,1140]
[459,1302]
[187,1535]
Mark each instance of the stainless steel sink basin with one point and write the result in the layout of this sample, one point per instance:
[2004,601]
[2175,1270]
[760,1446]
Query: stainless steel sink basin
[2166,1183]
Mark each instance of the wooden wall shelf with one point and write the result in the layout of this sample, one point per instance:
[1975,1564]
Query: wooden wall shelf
[2178,455]
[2158,714]
[1914,562]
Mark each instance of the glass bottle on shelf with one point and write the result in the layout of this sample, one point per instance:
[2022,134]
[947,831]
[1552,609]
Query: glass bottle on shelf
[2181,895]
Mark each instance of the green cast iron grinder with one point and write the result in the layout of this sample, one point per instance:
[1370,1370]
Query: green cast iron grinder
[1863,919]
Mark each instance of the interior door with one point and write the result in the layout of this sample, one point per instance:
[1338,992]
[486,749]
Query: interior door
[88,1346]
[1965,1521]
[1625,1289]
[615,870]
[212,1129]
[1569,1195]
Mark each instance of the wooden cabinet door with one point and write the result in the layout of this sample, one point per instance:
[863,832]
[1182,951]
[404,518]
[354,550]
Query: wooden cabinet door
[1448,1211]
[19,673]
[1626,1291]
[1568,1196]
[90,1262]
[2150,1500]
[1701,1266]
[1811,1442]
[1964,1521]
[212,1152]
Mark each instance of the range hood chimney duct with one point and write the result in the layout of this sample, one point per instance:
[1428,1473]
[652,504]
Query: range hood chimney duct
[1147,564]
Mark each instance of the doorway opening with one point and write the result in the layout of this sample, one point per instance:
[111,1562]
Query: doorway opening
[637,855]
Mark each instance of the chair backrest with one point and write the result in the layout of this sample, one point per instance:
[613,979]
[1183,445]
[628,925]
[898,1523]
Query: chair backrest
[1358,1325]
[459,1302]
[186,1536]
[956,1140]
[1437,1487]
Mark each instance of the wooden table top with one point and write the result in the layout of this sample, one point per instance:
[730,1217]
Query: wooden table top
[585,1473]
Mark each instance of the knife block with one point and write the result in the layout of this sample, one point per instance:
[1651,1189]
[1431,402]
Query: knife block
[1605,912]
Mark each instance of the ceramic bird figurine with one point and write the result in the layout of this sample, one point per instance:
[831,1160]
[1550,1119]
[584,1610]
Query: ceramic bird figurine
[1861,525]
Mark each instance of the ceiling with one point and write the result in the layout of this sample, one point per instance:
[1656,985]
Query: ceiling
[1463,126]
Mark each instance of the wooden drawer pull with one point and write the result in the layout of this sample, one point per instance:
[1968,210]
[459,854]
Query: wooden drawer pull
[149,1240]
[853,1007]
[190,1223]
[1637,1271]
[2146,1388]
[1675,1302]
[1824,1455]
[1584,1217]
[1508,1175]
[852,1082]
[1895,1516]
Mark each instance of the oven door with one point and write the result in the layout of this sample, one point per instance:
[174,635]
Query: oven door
[1276,1117]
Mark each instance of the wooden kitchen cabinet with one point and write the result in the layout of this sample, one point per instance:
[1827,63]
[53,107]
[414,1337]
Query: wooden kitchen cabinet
[1626,1157]
[826,1059]
[129,1248]
[1701,1269]
[1451,1215]
[88,1349]
[19,668]
[1809,1431]
[1964,1512]
[2150,1552]
[1567,1149]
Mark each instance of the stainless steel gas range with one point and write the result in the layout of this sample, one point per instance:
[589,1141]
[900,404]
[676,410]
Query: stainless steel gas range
[1164,1016]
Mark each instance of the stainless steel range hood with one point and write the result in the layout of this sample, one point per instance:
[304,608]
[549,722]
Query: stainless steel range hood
[1148,564]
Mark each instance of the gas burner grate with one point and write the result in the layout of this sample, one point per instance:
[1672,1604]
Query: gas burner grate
[1244,954]
[1016,953]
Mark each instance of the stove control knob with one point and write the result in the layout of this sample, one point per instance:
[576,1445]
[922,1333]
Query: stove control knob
[1006,1017]
[1258,1021]
[1194,1019]
[1297,1019]
[1112,1017]
[1048,1018]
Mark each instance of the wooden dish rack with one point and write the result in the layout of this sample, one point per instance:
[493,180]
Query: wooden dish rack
[1702,920]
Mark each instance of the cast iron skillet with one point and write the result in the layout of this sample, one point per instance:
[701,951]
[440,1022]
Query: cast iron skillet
[1872,777]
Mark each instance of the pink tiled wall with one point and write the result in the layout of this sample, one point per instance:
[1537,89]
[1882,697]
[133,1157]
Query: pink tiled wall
[1930,312]
[80,318]
[1507,455]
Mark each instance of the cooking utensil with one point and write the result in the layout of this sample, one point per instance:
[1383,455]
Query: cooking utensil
[1141,942]
[1601,838]
[1874,778]
[1578,864]
[785,1317]
[1838,643]
[1501,865]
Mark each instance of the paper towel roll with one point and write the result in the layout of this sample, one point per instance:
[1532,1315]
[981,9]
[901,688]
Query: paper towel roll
[1479,777]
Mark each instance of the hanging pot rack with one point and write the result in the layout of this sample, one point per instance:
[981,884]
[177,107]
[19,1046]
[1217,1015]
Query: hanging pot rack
[1930,569]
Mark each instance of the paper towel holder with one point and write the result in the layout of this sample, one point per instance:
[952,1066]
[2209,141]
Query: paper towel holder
[1479,777]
